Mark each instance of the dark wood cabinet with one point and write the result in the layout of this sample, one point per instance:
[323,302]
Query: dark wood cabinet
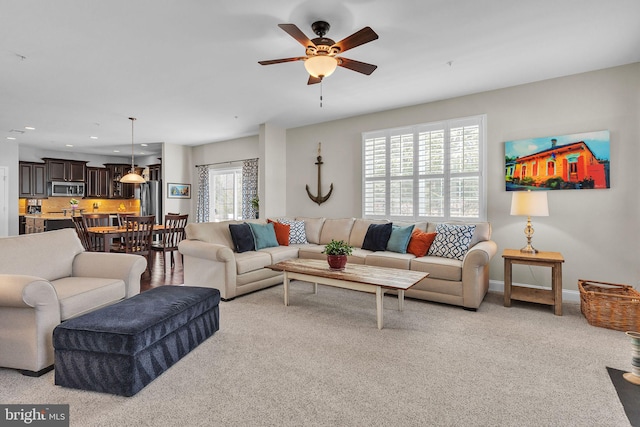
[66,170]
[33,180]
[118,190]
[98,182]
[155,172]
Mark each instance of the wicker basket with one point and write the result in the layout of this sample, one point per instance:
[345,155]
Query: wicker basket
[608,305]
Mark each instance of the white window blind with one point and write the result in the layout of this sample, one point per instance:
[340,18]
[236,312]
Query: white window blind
[430,171]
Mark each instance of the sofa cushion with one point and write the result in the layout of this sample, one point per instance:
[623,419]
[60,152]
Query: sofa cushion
[251,261]
[336,229]
[282,232]
[452,241]
[310,251]
[48,255]
[242,237]
[359,230]
[399,239]
[297,232]
[264,235]
[313,228]
[420,242]
[377,237]
[80,295]
[281,253]
[211,232]
[389,259]
[438,267]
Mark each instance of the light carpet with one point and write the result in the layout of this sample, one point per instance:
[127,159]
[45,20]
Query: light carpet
[323,362]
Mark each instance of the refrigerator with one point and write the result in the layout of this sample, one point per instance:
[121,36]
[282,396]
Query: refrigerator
[151,199]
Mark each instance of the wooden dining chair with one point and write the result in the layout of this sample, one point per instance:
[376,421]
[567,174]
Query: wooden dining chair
[173,233]
[137,237]
[83,234]
[97,220]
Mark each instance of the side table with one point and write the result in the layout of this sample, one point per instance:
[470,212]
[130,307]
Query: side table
[541,296]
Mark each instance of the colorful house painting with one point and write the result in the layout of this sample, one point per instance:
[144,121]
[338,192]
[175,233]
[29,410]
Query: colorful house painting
[578,161]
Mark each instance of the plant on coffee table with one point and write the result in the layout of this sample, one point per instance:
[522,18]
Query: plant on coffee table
[337,251]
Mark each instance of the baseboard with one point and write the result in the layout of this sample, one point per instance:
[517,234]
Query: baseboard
[567,294]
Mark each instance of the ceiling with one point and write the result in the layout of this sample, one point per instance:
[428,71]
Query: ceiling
[188,70]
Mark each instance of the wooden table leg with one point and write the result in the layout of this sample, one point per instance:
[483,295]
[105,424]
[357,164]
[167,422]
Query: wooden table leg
[379,295]
[400,299]
[507,283]
[286,288]
[556,283]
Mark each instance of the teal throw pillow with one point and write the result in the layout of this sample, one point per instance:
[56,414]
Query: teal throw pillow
[399,239]
[264,235]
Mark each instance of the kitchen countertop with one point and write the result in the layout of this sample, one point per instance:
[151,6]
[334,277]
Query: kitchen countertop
[60,215]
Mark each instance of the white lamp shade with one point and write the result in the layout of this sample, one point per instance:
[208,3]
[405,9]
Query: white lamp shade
[321,65]
[132,178]
[529,203]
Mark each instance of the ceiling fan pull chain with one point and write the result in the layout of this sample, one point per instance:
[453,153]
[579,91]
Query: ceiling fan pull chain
[320,93]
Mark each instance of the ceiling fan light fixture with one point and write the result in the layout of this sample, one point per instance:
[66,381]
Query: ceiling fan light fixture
[132,177]
[321,65]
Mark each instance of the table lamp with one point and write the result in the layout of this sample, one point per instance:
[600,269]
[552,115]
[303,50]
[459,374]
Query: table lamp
[529,203]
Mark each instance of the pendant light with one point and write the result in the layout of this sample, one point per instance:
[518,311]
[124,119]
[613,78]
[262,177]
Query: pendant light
[132,177]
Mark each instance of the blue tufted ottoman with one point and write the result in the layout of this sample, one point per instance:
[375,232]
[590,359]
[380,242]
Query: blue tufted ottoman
[121,348]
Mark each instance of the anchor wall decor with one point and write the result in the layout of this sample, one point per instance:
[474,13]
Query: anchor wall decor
[319,199]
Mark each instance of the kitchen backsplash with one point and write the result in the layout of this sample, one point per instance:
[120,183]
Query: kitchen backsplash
[56,204]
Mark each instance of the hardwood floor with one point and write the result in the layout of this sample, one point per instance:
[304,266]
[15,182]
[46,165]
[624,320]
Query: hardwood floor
[160,278]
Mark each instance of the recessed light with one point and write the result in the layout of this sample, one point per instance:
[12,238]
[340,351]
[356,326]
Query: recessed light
[68,145]
[10,137]
[116,151]
[144,145]
[29,128]
[93,137]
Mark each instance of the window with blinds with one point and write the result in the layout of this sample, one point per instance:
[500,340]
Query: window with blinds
[431,171]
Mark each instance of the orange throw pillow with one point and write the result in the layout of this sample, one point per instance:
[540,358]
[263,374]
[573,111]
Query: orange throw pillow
[420,242]
[282,232]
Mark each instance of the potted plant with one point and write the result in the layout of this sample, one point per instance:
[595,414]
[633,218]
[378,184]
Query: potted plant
[337,251]
[255,205]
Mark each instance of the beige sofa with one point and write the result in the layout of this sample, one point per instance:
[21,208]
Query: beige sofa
[209,260]
[46,278]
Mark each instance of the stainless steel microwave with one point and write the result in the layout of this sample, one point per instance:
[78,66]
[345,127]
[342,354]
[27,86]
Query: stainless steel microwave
[69,189]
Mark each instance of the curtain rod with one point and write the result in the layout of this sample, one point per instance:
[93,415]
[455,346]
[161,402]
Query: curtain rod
[228,162]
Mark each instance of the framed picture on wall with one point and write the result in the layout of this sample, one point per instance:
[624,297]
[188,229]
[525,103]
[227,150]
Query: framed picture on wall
[178,191]
[578,161]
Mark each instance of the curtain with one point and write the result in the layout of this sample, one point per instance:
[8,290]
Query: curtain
[202,205]
[249,188]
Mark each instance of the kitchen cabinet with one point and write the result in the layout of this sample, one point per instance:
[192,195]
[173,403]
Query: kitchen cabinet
[33,180]
[98,182]
[117,189]
[66,170]
[155,172]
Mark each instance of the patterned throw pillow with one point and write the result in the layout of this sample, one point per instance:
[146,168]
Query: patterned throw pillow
[452,241]
[297,234]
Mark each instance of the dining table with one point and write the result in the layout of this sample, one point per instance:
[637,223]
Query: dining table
[108,233]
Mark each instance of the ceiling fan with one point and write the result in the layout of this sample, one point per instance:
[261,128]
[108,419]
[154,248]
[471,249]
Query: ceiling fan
[322,60]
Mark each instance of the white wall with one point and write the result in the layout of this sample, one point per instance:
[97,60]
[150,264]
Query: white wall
[176,168]
[9,159]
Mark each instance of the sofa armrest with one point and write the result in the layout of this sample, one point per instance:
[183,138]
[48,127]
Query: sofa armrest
[210,265]
[127,267]
[29,311]
[475,272]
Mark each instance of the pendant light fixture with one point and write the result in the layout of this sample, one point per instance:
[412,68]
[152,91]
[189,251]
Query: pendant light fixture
[132,177]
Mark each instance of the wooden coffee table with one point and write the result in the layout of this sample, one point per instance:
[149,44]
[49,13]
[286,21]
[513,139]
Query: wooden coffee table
[358,277]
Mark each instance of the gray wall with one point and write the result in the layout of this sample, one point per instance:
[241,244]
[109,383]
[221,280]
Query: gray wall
[596,230]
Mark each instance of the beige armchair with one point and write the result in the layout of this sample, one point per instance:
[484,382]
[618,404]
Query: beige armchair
[46,278]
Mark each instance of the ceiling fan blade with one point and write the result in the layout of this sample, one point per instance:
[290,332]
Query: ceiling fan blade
[297,34]
[278,61]
[358,38]
[361,67]
[314,80]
